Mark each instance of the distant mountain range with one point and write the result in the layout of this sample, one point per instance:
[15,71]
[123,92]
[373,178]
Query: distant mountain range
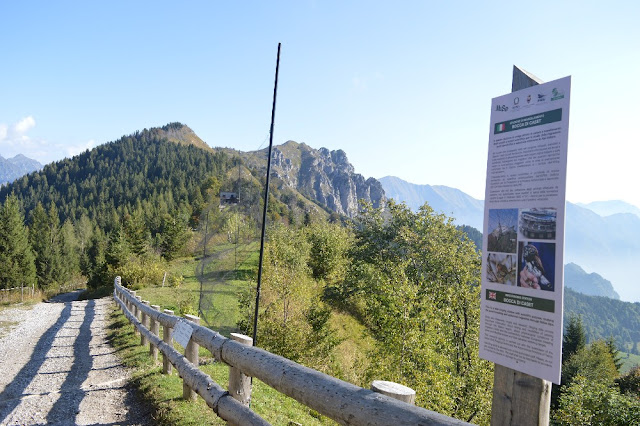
[591,284]
[451,201]
[13,168]
[608,208]
[607,242]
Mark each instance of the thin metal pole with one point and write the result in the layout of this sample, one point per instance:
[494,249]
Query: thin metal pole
[237,209]
[204,257]
[266,200]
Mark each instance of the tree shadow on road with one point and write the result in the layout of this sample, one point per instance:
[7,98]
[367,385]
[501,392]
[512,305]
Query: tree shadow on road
[11,396]
[71,390]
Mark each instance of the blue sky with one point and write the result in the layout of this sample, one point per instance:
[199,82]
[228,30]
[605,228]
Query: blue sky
[404,88]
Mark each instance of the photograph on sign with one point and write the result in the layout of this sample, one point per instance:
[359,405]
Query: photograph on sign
[523,233]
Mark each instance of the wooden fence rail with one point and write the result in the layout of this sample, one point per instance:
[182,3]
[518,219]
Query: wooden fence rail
[341,401]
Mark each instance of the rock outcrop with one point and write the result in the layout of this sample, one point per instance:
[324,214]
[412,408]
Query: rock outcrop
[325,176]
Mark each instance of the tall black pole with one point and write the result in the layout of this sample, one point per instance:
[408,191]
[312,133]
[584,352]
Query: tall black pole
[266,200]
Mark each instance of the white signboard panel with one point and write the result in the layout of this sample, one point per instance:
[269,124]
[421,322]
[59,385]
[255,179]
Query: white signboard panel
[523,235]
[182,332]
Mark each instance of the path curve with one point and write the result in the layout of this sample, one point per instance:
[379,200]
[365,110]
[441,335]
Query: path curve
[56,367]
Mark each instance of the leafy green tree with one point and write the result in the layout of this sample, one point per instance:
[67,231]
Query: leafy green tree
[588,402]
[630,382]
[329,244]
[415,282]
[293,322]
[594,362]
[16,256]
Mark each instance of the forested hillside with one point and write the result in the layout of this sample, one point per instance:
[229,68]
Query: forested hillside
[143,170]
[604,317]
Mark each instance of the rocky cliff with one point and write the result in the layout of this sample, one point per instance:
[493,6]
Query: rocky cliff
[324,176]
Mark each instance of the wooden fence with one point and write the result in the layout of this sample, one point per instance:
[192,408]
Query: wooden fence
[28,291]
[341,401]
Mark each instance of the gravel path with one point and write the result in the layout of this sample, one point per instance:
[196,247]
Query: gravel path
[56,367]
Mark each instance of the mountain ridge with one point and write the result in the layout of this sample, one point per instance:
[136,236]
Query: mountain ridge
[17,166]
[324,176]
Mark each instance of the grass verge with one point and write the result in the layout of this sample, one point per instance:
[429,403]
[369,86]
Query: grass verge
[164,393]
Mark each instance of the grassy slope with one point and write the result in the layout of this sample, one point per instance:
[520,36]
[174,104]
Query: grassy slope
[628,363]
[164,393]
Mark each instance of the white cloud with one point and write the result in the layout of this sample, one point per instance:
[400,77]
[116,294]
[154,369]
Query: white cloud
[15,139]
[24,125]
[71,150]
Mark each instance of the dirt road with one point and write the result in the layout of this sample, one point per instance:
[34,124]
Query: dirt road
[56,367]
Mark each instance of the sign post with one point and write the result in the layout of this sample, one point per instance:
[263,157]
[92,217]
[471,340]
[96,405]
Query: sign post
[523,245]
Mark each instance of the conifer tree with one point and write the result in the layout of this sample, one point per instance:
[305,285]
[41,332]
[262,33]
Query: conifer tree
[45,240]
[574,338]
[16,256]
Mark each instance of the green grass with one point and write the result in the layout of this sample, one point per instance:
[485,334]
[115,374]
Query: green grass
[628,362]
[222,314]
[164,393]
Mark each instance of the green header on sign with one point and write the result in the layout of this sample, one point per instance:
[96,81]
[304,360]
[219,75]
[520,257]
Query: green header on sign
[528,121]
[547,305]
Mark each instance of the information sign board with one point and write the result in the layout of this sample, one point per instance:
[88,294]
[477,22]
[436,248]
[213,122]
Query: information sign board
[523,236]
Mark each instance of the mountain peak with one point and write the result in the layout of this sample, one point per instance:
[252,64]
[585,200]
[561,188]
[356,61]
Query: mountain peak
[15,167]
[592,284]
[183,135]
[322,175]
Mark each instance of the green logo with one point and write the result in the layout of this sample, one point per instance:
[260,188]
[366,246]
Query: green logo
[556,94]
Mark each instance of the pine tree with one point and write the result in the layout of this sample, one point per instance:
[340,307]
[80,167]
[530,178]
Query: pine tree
[16,256]
[615,353]
[574,338]
[44,234]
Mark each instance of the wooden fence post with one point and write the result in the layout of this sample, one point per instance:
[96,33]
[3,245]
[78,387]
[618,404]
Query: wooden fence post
[167,337]
[394,390]
[191,353]
[155,329]
[145,323]
[239,383]
[518,398]
[136,311]
[22,292]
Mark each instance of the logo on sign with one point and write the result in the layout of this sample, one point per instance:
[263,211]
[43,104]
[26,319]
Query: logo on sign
[516,100]
[556,94]
[502,108]
[493,295]
[541,97]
